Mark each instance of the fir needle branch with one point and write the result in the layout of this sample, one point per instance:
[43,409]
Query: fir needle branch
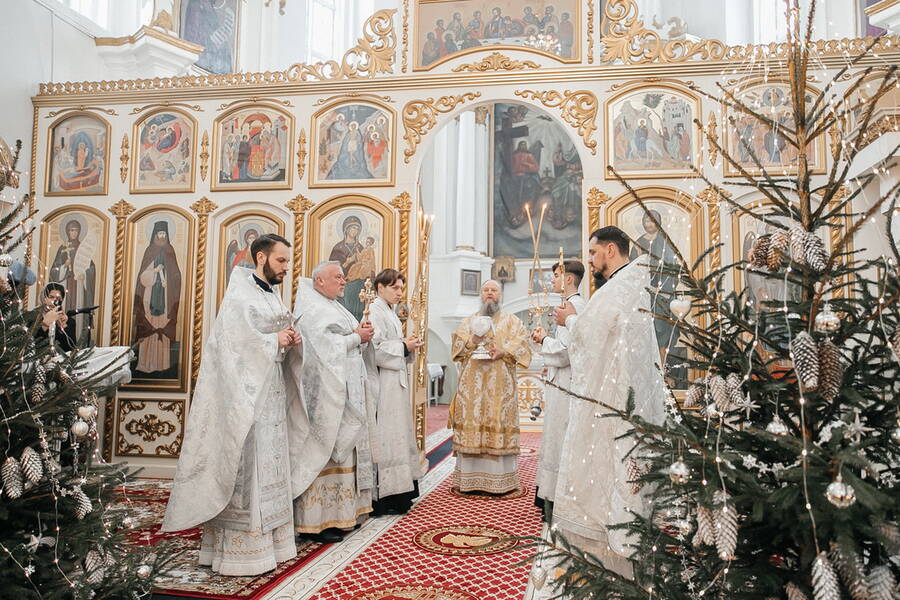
[787,210]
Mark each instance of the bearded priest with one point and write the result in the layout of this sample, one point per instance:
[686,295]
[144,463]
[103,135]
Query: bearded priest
[612,349]
[332,459]
[484,413]
[234,476]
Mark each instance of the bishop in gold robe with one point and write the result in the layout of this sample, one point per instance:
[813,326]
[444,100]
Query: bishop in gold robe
[484,413]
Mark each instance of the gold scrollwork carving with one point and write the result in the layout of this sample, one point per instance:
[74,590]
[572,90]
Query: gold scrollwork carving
[373,54]
[528,394]
[150,427]
[53,113]
[595,200]
[590,32]
[202,207]
[579,109]
[123,158]
[403,204]
[139,109]
[120,210]
[204,156]
[481,115]
[405,37]
[644,80]
[496,62]
[420,116]
[884,125]
[301,154]
[298,205]
[327,100]
[254,100]
[712,137]
[713,200]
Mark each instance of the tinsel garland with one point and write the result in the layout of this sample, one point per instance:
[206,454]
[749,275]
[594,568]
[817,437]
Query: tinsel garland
[831,370]
[851,571]
[806,360]
[824,579]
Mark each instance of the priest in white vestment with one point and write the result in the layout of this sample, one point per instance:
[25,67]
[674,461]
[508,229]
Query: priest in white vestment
[555,354]
[234,473]
[612,348]
[399,468]
[484,412]
[332,458]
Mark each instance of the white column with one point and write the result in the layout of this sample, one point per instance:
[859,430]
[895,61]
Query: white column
[482,180]
[466,184]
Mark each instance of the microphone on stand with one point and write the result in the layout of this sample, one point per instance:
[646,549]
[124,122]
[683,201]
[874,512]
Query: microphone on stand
[81,311]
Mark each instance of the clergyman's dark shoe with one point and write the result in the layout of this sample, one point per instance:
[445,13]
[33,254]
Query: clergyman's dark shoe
[326,536]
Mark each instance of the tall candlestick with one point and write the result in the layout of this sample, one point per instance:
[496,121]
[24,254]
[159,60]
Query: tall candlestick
[562,277]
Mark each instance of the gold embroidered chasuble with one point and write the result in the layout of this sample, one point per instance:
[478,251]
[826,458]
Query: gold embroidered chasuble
[484,413]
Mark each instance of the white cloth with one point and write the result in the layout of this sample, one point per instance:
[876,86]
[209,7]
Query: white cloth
[486,473]
[612,348]
[395,434]
[234,471]
[240,553]
[555,352]
[339,389]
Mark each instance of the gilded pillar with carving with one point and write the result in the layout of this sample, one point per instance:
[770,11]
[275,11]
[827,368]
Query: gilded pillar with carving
[403,204]
[713,200]
[298,205]
[595,200]
[202,207]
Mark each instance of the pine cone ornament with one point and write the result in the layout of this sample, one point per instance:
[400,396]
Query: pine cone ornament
[781,241]
[636,470]
[706,533]
[83,504]
[726,527]
[774,257]
[797,245]
[891,535]
[39,388]
[851,571]
[794,593]
[95,566]
[895,343]
[759,252]
[12,478]
[881,584]
[718,389]
[32,467]
[824,579]
[806,361]
[831,370]
[735,393]
[814,252]
[694,395]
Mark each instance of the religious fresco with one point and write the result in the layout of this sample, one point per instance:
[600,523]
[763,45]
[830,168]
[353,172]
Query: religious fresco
[158,290]
[357,232]
[650,132]
[213,25]
[253,149]
[448,28]
[77,156]
[353,145]
[773,100]
[74,253]
[535,163]
[236,235]
[163,145]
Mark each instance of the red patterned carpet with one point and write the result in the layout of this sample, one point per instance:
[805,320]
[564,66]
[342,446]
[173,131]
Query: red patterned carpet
[436,418]
[448,547]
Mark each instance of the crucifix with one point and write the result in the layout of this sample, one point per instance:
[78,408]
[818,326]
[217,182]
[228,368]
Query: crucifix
[367,297]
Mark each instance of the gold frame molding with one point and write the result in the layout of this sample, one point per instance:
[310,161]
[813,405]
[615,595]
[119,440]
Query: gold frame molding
[419,67]
[420,117]
[323,209]
[79,112]
[214,184]
[101,279]
[579,109]
[160,451]
[313,180]
[696,145]
[136,154]
[185,305]
[223,226]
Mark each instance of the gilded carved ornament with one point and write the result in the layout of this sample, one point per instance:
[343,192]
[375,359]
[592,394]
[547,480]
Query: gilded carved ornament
[496,62]
[579,109]
[204,156]
[82,108]
[420,117]
[202,207]
[123,158]
[298,205]
[255,100]
[713,198]
[139,109]
[301,154]
[360,95]
[712,137]
[590,31]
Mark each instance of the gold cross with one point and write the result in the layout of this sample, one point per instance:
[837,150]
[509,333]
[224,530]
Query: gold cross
[367,296]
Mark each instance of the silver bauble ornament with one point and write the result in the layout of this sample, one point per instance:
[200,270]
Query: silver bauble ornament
[895,434]
[87,412]
[80,428]
[777,427]
[827,320]
[839,493]
[535,412]
[144,571]
[538,577]
[679,472]
[680,306]
[5,260]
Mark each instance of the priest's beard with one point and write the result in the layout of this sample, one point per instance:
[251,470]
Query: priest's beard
[489,309]
[272,278]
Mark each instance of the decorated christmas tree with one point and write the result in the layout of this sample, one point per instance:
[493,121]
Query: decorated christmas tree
[777,475]
[65,531]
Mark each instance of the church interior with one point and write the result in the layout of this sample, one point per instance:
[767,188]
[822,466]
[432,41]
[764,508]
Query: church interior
[746,149]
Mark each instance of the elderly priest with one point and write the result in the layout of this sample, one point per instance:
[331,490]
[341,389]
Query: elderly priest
[484,413]
[234,475]
[332,458]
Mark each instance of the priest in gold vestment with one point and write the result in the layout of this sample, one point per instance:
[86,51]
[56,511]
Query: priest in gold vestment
[484,414]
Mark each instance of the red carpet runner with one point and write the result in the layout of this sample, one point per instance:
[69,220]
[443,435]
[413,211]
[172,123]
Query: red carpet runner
[449,547]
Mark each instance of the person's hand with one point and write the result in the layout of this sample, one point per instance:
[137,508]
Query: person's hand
[412,343]
[497,353]
[365,331]
[50,317]
[560,313]
[286,337]
[63,318]
[538,335]
[296,340]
